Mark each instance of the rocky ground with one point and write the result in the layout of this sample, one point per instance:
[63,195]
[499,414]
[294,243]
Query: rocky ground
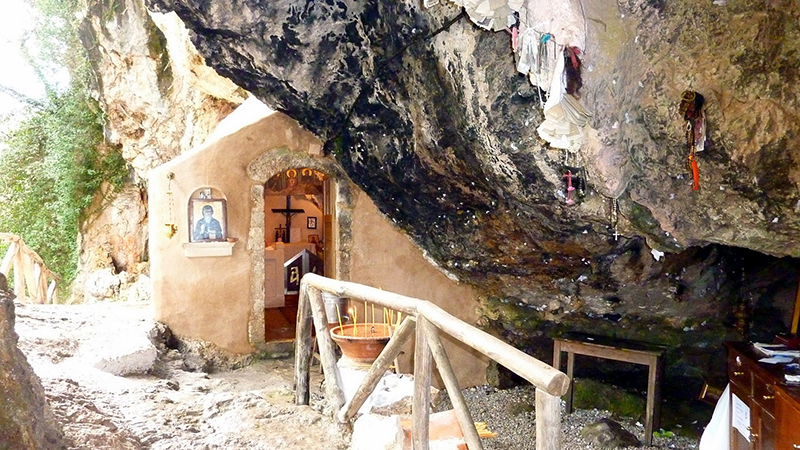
[173,407]
[170,408]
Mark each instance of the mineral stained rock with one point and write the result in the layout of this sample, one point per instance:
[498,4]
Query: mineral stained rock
[427,113]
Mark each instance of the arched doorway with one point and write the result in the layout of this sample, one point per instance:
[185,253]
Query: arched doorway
[298,219]
[332,211]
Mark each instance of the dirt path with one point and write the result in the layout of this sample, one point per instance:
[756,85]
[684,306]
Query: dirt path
[170,409]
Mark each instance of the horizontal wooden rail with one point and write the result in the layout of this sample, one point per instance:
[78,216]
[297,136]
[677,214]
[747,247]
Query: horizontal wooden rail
[397,302]
[29,271]
[550,383]
[539,374]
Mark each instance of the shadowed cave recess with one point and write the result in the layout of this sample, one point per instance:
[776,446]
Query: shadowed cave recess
[427,114]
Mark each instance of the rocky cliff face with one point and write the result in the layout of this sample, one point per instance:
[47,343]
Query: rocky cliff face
[160,100]
[428,114]
[26,420]
[159,96]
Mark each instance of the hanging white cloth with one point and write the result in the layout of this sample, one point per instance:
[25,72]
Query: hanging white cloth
[564,116]
[717,435]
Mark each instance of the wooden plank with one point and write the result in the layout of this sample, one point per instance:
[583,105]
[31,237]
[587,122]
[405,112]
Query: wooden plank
[327,353]
[423,371]
[652,416]
[571,376]
[645,357]
[303,348]
[376,371]
[453,388]
[556,354]
[536,372]
[31,282]
[548,421]
[8,258]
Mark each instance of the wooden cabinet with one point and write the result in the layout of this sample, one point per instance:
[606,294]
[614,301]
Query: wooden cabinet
[774,408]
[787,412]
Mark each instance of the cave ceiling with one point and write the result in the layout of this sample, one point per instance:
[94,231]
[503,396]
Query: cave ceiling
[427,113]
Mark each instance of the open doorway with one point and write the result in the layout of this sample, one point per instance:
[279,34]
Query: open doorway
[298,224]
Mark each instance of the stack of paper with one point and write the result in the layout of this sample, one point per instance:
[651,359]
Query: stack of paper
[792,374]
[776,350]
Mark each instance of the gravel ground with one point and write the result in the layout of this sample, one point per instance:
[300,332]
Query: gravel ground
[510,414]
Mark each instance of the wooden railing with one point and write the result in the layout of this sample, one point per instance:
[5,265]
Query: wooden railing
[428,320]
[31,276]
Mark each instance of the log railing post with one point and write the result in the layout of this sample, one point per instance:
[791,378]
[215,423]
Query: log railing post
[377,370]
[303,348]
[423,372]
[42,280]
[327,353]
[30,277]
[548,421]
[471,437]
[550,383]
[52,295]
[19,277]
[8,259]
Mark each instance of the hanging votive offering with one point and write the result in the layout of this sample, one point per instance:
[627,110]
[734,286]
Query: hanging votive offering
[615,217]
[570,188]
[693,110]
[170,228]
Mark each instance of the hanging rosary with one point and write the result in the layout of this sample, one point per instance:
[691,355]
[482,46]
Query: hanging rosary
[615,217]
[170,228]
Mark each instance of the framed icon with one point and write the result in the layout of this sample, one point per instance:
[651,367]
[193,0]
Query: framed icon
[311,223]
[207,220]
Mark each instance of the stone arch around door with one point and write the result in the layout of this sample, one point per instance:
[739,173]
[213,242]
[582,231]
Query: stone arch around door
[262,169]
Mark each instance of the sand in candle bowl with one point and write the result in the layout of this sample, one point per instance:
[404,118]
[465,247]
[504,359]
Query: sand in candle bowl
[363,342]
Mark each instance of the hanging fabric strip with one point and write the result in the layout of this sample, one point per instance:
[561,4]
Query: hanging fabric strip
[695,172]
[692,108]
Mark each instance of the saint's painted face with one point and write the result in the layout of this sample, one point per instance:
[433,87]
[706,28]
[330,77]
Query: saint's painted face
[208,211]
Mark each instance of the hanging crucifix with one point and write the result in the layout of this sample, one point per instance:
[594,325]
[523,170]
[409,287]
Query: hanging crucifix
[288,212]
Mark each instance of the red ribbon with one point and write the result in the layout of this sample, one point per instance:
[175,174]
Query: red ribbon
[695,173]
[573,53]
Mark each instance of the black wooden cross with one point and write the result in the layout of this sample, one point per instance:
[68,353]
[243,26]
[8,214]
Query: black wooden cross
[288,212]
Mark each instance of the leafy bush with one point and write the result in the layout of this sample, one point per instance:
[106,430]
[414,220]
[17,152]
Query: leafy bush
[54,161]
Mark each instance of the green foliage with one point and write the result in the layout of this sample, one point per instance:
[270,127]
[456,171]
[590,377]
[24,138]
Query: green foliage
[54,162]
[663,433]
[590,393]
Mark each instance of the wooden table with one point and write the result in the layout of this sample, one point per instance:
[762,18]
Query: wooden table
[635,352]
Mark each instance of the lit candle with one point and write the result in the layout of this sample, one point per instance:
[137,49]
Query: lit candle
[339,315]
